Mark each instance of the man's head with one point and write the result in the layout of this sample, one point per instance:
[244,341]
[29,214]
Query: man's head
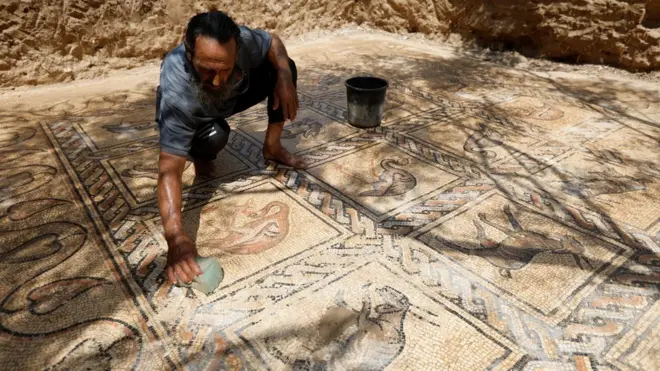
[212,42]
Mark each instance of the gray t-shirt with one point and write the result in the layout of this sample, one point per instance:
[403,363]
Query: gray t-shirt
[180,113]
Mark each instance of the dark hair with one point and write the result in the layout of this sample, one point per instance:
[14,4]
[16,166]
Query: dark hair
[215,24]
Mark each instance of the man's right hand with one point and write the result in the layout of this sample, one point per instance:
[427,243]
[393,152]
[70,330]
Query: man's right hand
[181,250]
[181,260]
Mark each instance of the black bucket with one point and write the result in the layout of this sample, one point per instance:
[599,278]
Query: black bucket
[366,101]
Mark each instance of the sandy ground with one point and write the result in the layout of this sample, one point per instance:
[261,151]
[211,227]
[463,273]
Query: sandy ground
[504,215]
[65,40]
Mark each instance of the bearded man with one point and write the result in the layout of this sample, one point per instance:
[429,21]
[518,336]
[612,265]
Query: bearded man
[219,70]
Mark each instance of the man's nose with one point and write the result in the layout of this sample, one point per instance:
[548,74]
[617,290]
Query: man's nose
[217,79]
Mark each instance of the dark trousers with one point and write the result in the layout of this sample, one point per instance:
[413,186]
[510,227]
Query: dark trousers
[212,138]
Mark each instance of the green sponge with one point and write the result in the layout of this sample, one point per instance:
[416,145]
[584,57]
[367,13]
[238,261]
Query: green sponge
[209,280]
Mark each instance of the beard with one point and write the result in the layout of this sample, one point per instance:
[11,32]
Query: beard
[207,95]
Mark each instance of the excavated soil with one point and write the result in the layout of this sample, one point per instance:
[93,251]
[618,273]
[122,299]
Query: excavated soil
[45,41]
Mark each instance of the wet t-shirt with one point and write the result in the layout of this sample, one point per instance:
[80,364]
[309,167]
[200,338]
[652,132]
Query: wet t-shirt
[179,111]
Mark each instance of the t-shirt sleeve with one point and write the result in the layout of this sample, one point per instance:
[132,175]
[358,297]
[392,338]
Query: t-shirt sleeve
[257,42]
[177,130]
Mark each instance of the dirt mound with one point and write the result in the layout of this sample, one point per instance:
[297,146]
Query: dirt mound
[43,41]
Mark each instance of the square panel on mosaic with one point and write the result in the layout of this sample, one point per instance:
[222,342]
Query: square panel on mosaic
[357,322]
[382,179]
[249,234]
[542,265]
[476,139]
[136,174]
[626,194]
[101,132]
[309,130]
[541,116]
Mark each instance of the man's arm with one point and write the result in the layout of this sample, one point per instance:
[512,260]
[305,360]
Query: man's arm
[285,90]
[181,252]
[278,55]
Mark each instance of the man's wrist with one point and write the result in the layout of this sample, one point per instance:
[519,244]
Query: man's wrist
[173,235]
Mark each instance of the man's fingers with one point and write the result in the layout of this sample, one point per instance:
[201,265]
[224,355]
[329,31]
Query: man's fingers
[292,111]
[190,273]
[170,275]
[194,266]
[276,101]
[183,276]
[285,111]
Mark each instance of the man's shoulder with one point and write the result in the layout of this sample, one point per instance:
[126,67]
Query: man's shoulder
[175,79]
[173,65]
[256,43]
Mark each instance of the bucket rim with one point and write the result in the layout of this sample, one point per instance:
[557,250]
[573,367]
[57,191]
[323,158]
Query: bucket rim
[386,84]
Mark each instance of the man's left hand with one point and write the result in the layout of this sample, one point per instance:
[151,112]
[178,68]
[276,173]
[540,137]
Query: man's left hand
[286,95]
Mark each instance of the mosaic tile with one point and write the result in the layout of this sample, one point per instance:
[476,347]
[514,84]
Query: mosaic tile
[498,219]
[524,255]
[382,178]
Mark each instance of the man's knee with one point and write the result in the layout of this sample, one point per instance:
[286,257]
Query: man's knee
[210,140]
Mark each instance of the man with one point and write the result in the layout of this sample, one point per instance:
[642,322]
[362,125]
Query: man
[219,70]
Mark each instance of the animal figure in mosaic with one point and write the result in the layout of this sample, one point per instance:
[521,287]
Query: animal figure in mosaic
[396,106]
[264,229]
[368,338]
[145,171]
[306,127]
[129,127]
[483,138]
[141,171]
[393,181]
[520,246]
[615,157]
[326,81]
[545,112]
[607,182]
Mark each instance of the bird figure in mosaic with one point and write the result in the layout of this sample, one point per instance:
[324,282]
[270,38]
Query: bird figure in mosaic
[306,127]
[483,138]
[141,171]
[129,127]
[393,181]
[544,112]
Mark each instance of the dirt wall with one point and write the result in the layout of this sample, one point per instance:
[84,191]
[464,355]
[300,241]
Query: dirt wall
[44,41]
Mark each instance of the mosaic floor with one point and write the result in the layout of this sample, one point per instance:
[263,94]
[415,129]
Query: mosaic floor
[499,219]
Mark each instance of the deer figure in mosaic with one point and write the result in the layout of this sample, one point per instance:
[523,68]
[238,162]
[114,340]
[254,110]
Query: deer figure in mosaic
[520,246]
